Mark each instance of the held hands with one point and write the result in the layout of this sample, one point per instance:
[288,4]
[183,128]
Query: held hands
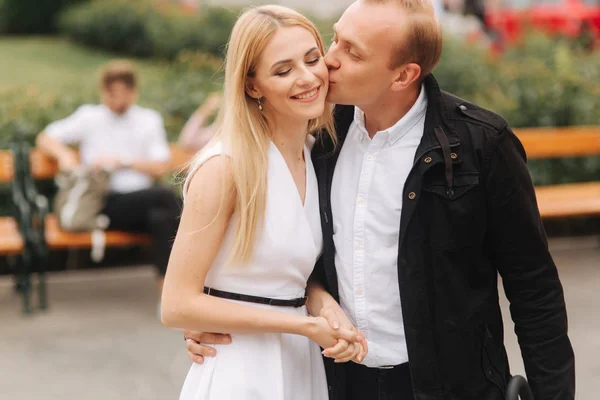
[343,351]
[342,343]
[331,330]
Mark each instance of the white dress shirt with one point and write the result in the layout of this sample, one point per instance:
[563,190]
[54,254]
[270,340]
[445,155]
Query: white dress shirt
[139,134]
[366,200]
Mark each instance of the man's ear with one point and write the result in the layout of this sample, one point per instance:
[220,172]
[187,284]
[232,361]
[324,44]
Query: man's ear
[251,89]
[407,75]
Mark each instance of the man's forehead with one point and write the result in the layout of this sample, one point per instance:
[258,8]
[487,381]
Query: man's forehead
[374,16]
[368,22]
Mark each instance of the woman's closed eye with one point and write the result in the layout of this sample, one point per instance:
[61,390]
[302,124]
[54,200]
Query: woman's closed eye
[283,73]
[314,61]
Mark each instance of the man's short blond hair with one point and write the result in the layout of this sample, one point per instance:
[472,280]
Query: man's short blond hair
[118,71]
[422,43]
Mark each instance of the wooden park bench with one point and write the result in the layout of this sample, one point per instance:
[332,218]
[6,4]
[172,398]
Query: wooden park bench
[50,234]
[565,200]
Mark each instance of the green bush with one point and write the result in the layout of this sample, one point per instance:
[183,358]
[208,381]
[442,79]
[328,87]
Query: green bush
[539,83]
[143,28]
[31,16]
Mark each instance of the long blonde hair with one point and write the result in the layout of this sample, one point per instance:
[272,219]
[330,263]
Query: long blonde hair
[244,129]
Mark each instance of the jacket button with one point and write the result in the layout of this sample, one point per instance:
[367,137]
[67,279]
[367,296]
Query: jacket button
[427,160]
[462,107]
[412,195]
[453,156]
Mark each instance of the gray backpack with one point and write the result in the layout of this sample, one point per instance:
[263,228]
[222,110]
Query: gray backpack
[79,201]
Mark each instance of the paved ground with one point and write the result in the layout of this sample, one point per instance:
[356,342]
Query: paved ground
[102,340]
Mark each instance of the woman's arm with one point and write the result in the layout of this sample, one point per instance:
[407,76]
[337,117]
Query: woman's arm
[194,134]
[206,215]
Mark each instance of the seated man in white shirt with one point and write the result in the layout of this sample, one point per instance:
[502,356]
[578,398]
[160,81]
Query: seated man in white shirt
[131,141]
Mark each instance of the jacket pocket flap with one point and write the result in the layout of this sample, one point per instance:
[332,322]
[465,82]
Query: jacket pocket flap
[463,182]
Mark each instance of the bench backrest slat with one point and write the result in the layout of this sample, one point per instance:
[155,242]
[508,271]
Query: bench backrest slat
[44,167]
[574,141]
[6,166]
[538,143]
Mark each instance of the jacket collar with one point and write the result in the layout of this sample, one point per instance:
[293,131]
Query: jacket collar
[437,117]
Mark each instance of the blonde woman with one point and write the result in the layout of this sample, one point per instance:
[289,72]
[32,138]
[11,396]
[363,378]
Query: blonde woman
[250,231]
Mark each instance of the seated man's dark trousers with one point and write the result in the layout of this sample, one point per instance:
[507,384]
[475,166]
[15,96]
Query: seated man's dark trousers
[155,211]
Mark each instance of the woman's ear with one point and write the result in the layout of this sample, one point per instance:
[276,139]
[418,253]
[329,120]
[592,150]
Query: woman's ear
[251,90]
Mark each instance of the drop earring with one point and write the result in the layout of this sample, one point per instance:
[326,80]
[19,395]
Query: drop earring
[260,107]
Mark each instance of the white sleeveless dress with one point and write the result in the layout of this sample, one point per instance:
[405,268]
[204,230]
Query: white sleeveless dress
[270,366]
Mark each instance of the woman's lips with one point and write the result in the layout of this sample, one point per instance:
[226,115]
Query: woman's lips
[308,96]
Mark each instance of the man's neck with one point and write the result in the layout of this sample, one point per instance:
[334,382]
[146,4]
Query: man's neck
[387,111]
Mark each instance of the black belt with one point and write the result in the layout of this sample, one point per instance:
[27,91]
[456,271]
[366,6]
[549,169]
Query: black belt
[299,302]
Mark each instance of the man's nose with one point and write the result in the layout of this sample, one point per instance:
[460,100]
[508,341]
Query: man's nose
[331,61]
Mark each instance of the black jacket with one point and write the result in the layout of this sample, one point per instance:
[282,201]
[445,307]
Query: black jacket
[469,212]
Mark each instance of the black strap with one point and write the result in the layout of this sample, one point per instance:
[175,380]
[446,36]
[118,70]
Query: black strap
[298,302]
[441,136]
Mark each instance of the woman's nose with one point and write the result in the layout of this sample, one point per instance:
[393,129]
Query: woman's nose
[307,78]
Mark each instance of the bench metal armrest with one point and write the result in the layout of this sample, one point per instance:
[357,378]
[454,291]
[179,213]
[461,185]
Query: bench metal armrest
[21,206]
[33,206]
[39,203]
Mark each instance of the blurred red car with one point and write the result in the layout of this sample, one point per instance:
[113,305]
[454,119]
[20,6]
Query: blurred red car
[507,19]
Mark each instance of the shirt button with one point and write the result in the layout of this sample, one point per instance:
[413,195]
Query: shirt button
[357,245]
[412,195]
[358,292]
[427,160]
[453,156]
[361,201]
[369,157]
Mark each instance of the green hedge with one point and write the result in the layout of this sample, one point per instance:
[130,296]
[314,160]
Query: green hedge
[31,16]
[541,82]
[142,28]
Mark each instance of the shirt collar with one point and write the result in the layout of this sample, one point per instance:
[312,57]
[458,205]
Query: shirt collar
[403,126]
[130,111]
